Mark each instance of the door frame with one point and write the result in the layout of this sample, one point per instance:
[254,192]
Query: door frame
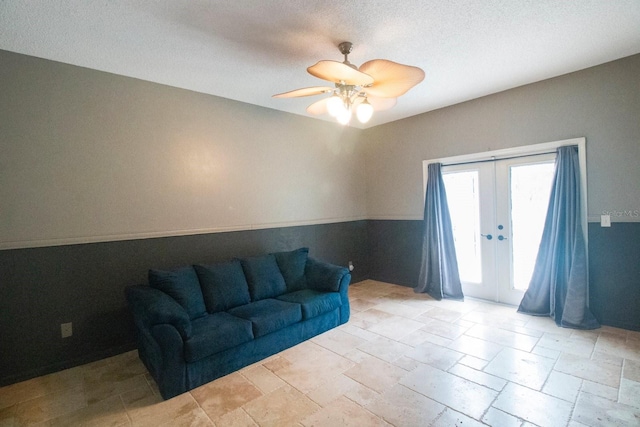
[526,150]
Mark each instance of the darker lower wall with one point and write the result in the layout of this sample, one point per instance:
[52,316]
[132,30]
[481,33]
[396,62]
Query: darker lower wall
[614,274]
[84,284]
[395,248]
[614,265]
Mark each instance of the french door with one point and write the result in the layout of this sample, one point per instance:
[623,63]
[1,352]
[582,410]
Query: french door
[497,211]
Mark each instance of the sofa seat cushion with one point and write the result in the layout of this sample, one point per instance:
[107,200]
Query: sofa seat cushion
[269,315]
[215,333]
[313,303]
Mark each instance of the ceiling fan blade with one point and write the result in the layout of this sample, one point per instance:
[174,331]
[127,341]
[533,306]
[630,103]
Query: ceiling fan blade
[378,104]
[318,107]
[391,79]
[307,91]
[338,72]
[381,104]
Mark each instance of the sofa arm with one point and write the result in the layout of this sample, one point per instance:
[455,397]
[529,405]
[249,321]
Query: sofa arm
[326,277]
[153,307]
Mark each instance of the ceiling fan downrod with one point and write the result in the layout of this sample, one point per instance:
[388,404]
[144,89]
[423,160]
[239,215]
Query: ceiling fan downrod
[345,49]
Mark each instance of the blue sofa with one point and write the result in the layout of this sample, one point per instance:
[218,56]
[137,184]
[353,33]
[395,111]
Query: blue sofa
[197,323]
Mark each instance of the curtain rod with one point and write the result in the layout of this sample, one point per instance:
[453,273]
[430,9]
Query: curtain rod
[500,158]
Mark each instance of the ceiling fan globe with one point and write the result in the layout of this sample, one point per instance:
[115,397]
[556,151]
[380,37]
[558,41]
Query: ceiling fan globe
[335,105]
[364,111]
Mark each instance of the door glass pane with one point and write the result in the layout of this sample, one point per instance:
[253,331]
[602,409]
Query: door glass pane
[530,188]
[464,206]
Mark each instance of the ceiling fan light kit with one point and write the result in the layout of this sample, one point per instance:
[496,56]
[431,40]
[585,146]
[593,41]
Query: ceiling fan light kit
[374,86]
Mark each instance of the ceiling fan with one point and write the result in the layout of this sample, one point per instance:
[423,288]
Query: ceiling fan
[374,86]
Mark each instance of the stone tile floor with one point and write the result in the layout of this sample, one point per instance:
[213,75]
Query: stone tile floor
[403,360]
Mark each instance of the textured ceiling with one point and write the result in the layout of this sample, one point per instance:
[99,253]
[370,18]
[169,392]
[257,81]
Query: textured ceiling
[248,50]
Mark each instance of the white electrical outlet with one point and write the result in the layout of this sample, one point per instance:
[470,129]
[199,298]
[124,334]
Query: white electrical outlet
[351,267]
[605,220]
[66,329]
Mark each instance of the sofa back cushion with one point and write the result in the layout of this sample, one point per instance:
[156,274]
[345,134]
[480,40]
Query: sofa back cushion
[263,276]
[223,285]
[182,285]
[292,266]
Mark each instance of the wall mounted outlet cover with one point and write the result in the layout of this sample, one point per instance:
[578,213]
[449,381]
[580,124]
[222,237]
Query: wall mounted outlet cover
[66,329]
[605,220]
[351,267]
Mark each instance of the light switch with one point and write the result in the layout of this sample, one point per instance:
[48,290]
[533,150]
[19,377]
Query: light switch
[605,220]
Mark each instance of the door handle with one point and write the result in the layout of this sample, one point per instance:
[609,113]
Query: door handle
[488,236]
[501,237]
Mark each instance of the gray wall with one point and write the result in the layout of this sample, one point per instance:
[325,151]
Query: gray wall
[91,156]
[103,177]
[600,103]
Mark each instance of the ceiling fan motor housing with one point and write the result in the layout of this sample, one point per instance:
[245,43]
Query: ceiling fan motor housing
[345,48]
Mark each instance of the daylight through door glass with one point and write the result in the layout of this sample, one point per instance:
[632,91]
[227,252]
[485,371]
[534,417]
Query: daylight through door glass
[530,188]
[464,206]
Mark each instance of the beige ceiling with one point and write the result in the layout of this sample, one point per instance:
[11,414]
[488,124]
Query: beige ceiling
[248,50]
